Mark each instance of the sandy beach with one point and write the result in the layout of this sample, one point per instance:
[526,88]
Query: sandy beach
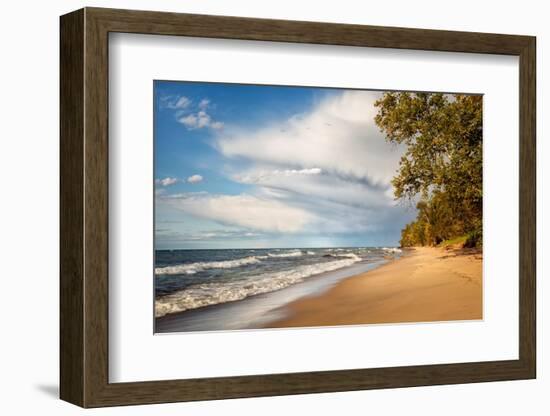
[427,284]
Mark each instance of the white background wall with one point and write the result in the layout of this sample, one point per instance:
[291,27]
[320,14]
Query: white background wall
[29,207]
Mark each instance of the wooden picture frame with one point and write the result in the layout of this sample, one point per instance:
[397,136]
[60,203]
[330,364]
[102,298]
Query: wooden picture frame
[84,207]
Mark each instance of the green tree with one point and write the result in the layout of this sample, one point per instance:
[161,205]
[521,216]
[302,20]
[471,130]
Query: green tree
[442,164]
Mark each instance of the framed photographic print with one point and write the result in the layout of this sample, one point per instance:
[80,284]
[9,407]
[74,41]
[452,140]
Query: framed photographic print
[292,193]
[256,207]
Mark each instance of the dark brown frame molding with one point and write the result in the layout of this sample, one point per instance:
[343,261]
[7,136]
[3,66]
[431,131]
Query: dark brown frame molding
[84,207]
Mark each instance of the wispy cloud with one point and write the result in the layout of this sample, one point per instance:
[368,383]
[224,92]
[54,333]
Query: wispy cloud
[168,234]
[174,102]
[166,181]
[338,135]
[322,187]
[248,211]
[169,180]
[265,175]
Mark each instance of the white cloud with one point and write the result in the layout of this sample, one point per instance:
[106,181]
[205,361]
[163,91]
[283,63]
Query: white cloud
[339,135]
[190,121]
[168,234]
[322,187]
[325,172]
[203,119]
[311,171]
[174,102]
[248,211]
[166,181]
[192,116]
[331,162]
[264,175]
[205,102]
[182,102]
[194,179]
[200,120]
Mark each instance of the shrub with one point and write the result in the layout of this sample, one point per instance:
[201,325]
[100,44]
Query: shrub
[474,240]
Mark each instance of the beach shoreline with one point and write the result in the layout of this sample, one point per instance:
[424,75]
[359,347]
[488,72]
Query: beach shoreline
[255,311]
[427,284]
[422,284]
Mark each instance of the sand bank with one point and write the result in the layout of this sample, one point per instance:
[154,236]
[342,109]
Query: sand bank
[428,284]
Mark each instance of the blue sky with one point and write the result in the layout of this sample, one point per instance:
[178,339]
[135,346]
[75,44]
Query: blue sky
[248,166]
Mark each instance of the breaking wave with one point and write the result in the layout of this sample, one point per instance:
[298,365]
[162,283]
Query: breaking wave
[213,293]
[193,268]
[293,253]
[392,249]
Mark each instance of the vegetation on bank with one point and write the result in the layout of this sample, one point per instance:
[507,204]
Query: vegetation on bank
[441,170]
[457,241]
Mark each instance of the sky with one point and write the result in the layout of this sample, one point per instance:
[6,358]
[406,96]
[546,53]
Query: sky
[252,166]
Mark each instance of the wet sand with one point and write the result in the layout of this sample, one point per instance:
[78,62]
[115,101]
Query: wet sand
[428,284]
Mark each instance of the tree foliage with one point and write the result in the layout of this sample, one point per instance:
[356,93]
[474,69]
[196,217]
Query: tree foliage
[442,164]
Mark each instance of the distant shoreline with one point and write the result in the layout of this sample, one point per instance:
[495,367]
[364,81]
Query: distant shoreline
[430,284]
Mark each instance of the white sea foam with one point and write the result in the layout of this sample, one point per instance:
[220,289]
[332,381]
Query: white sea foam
[293,253]
[205,294]
[352,256]
[193,268]
[392,249]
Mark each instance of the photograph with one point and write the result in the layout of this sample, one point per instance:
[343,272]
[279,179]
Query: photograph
[282,206]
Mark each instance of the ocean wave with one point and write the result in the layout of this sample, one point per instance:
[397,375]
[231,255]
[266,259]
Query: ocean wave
[392,249]
[352,256]
[206,294]
[293,253]
[193,268]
